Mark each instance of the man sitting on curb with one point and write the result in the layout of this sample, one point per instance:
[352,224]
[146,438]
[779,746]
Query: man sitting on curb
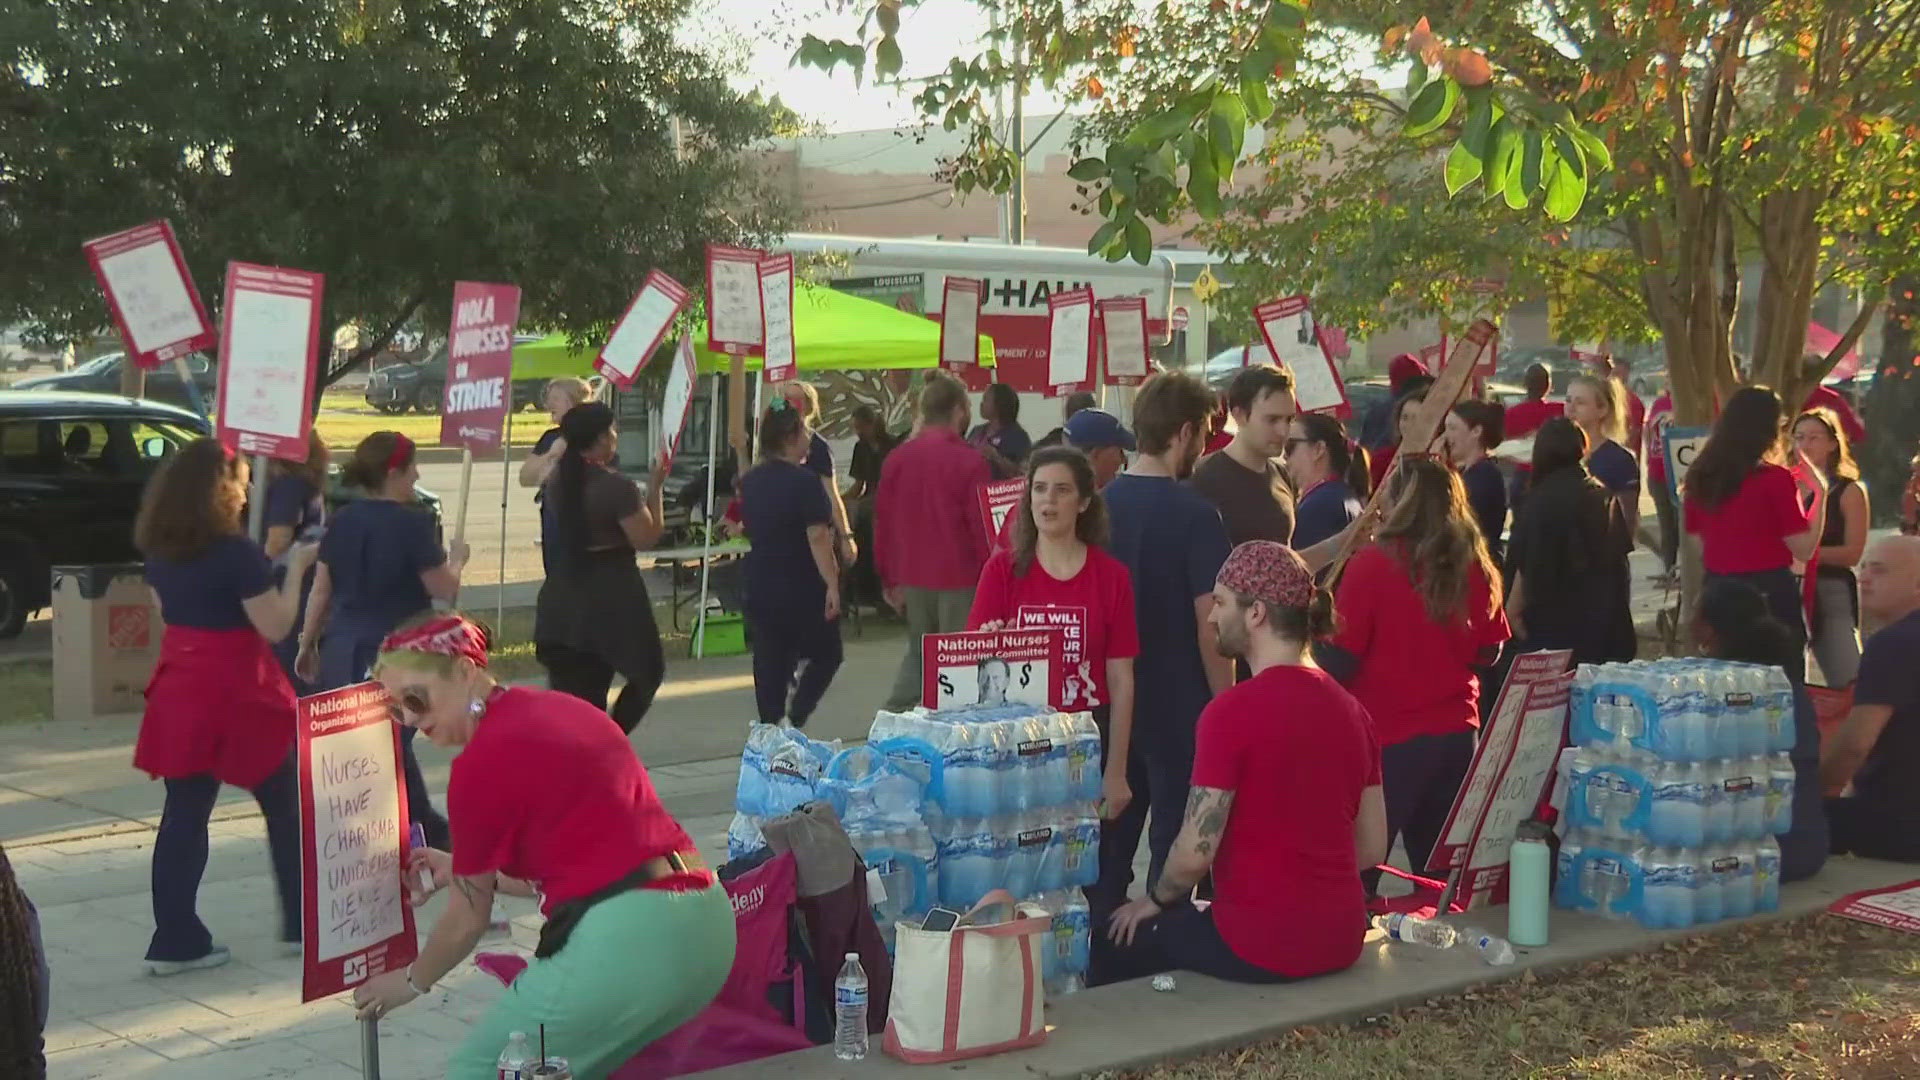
[1285,807]
[1877,747]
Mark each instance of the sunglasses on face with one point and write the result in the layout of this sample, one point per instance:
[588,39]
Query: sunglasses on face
[408,707]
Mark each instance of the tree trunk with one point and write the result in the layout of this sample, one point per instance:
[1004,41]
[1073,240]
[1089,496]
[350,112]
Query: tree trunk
[1893,406]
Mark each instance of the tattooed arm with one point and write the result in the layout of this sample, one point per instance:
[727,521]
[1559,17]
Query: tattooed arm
[458,930]
[1197,846]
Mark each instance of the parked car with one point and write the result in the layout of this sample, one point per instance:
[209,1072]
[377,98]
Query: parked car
[101,375]
[421,385]
[72,467]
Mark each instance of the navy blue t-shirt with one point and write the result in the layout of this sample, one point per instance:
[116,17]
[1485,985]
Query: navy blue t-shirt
[819,458]
[1487,494]
[293,502]
[778,501]
[1172,542]
[206,591]
[375,552]
[1616,467]
[1324,510]
[1888,676]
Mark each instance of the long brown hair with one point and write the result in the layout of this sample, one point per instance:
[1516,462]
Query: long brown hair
[1090,527]
[1430,530]
[1841,466]
[314,469]
[378,456]
[194,499]
[1746,434]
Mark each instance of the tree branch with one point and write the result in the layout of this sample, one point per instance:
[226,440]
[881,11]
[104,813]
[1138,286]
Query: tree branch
[359,356]
[1849,339]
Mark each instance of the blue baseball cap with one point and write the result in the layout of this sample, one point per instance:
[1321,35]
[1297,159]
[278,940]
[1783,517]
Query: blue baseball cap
[1091,429]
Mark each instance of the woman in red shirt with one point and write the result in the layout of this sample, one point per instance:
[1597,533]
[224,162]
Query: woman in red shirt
[1419,615]
[1057,575]
[1381,462]
[547,800]
[1754,517]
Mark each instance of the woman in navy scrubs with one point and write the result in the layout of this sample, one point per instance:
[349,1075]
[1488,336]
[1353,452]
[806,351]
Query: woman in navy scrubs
[296,510]
[380,565]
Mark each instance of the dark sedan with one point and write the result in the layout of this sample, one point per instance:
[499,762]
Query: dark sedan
[101,375]
[421,385]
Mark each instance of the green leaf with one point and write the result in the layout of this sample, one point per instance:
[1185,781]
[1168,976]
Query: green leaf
[1203,182]
[1287,15]
[1532,164]
[1569,153]
[1473,135]
[1103,236]
[888,16]
[1503,141]
[1088,168]
[1416,77]
[1116,248]
[886,58]
[1139,241]
[1432,106]
[1517,194]
[1253,91]
[1566,191]
[1599,158]
[1463,168]
[1227,130]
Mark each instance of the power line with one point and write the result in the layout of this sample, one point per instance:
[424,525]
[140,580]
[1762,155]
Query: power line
[883,202]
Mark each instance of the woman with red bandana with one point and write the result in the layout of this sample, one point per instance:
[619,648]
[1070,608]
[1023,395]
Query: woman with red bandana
[219,710]
[549,801]
[380,565]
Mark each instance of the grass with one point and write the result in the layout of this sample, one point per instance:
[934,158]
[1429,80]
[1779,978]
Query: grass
[346,418]
[1815,997]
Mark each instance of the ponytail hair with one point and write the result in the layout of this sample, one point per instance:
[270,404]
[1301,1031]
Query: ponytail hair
[378,456]
[1346,458]
[582,427]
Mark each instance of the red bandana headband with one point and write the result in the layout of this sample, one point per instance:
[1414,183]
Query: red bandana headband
[402,452]
[1270,572]
[448,635]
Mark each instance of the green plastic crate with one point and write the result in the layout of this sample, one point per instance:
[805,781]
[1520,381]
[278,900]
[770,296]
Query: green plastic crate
[720,634]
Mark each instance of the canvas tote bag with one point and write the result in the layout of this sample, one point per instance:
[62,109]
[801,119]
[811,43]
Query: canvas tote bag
[970,992]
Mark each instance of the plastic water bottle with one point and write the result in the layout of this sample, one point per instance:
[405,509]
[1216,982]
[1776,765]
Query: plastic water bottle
[1766,875]
[1780,710]
[1082,866]
[1494,950]
[1667,815]
[1667,903]
[516,1061]
[1779,803]
[1086,764]
[1750,800]
[1414,930]
[1567,867]
[1739,890]
[1080,937]
[1581,808]
[850,1011]
[1719,814]
[1709,898]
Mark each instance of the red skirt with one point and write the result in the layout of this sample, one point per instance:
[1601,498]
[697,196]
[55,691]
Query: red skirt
[217,703]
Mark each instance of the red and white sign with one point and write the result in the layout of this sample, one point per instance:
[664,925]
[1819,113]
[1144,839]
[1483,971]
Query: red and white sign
[479,389]
[267,357]
[775,284]
[638,334]
[960,322]
[1498,741]
[1070,620]
[1180,317]
[993,667]
[733,300]
[150,293]
[355,919]
[1288,328]
[1599,363]
[1896,907]
[998,500]
[1123,337]
[677,402]
[1070,341]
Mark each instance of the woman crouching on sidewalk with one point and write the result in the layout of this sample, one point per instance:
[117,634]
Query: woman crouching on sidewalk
[547,800]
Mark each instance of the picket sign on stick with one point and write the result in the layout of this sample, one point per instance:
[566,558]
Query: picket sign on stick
[1123,337]
[1069,341]
[775,281]
[1302,349]
[642,329]
[676,403]
[960,301]
[479,373]
[735,324]
[1429,420]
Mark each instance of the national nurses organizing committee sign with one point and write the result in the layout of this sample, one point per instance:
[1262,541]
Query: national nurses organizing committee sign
[479,365]
[151,295]
[267,359]
[355,919]
[993,667]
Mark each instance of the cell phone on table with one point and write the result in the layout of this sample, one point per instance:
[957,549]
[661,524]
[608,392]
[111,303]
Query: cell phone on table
[940,920]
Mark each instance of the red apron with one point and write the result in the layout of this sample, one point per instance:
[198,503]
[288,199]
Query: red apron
[217,703]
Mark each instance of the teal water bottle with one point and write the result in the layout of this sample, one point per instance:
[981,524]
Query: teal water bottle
[1529,873]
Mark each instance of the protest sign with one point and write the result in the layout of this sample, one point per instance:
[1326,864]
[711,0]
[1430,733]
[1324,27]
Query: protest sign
[960,322]
[677,402]
[355,919]
[1597,363]
[641,329]
[1123,325]
[776,307]
[1896,907]
[1683,444]
[1069,341]
[1516,792]
[733,300]
[267,357]
[1288,328]
[997,502]
[150,294]
[993,667]
[478,394]
[1498,740]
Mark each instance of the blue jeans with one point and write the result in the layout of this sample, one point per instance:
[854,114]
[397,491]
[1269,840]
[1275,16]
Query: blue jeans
[180,860]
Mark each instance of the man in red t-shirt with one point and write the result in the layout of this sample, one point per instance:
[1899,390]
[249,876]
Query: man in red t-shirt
[1525,418]
[1285,809]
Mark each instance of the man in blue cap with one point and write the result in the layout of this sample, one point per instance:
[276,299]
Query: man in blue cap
[1099,435]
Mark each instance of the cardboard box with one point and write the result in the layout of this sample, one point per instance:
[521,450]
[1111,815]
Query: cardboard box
[106,640]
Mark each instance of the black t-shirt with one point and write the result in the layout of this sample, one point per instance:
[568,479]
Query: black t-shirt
[1487,494]
[1889,676]
[779,501]
[1254,506]
[867,459]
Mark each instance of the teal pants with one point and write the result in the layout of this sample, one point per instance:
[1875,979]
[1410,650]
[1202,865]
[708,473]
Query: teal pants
[637,966]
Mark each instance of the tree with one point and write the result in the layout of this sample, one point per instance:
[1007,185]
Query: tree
[394,146]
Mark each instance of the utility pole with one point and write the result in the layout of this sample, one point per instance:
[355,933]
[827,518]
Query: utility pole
[1017,136]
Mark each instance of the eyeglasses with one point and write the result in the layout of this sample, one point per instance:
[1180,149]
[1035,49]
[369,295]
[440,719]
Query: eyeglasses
[408,708]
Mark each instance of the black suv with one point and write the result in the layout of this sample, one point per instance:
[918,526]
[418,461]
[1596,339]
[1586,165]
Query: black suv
[421,385]
[101,375]
[72,467]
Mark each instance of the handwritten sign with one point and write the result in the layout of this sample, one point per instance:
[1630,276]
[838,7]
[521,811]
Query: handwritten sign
[641,329]
[1069,341]
[267,359]
[733,300]
[776,306]
[1497,741]
[1528,770]
[479,389]
[1123,326]
[150,293]
[677,402]
[353,841]
[960,322]
[997,502]
[993,667]
[1296,343]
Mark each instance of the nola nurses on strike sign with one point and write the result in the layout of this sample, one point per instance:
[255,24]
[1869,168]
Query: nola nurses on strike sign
[479,365]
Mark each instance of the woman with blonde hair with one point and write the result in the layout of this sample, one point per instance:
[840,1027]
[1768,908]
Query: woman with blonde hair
[1419,616]
[1599,406]
[1821,438]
